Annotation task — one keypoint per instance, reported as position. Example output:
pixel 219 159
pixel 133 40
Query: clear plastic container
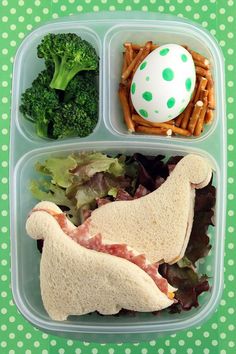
pixel 106 31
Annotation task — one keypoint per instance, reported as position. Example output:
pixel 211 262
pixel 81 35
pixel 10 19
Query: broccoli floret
pixel 69 54
pixel 72 120
pixel 83 90
pixel 39 102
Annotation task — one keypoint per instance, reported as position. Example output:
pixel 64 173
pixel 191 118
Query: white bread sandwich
pixel 158 224
pixel 111 261
pixel 80 274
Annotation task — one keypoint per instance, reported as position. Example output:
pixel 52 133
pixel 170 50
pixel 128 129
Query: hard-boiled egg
pixel 163 84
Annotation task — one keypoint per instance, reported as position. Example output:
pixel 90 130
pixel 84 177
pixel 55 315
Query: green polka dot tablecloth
pixel 218 335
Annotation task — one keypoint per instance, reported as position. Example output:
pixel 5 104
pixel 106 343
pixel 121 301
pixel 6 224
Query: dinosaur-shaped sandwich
pixel 111 261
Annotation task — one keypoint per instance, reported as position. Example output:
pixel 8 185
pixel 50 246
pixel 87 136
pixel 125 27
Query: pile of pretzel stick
pixel 192 120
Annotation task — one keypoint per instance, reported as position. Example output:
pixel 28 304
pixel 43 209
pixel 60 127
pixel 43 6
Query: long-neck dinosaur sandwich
pixel 158 224
pixel 111 261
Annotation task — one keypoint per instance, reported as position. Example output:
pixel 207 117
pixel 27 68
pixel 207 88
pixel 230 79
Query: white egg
pixel 163 84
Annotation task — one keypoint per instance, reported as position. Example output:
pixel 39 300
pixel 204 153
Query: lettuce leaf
pixel 59 170
pixel 78 168
pixel 100 185
pixel 78 179
pixel 189 283
pixel 88 164
pixel 44 190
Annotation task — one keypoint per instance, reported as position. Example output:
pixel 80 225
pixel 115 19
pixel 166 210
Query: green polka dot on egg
pixel 168 74
pixel 143 113
pixel 164 51
pixel 143 65
pixel 133 88
pixel 171 102
pixel 188 84
pixel 147 96
pixel 184 57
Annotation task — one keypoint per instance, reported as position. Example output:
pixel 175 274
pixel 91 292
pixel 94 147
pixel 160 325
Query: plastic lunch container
pixel 107 32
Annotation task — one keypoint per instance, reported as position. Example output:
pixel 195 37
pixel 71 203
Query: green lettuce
pixel 100 185
pixel 88 164
pixel 44 190
pixel 59 170
pixel 78 179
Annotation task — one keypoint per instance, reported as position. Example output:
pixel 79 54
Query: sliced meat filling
pixel 81 235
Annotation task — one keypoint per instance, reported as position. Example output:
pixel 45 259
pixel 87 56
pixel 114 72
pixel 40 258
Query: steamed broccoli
pixel 82 90
pixel 63 99
pixel 39 102
pixel 72 120
pixel 69 55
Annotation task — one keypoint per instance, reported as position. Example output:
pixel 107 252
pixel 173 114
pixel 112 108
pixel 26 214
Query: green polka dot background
pixel 217 336
pixel 171 79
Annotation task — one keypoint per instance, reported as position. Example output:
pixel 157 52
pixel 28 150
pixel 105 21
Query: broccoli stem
pixel 56 68
pixel 42 127
pixel 62 79
pixel 63 76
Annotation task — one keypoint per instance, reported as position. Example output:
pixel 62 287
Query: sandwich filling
pixel 82 236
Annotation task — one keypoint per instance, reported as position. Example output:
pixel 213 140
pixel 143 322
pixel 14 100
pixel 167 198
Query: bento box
pixel 106 32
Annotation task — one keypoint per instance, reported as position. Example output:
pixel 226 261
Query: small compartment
pixel 159 32
pixel 26 258
pixel 28 65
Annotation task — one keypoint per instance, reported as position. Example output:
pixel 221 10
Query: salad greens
pixel 78 179
pixel 80 183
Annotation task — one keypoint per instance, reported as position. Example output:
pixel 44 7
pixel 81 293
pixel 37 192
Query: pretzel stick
pixel 187 113
pixel 211 98
pixel 199 126
pixel 132 110
pixel 203 94
pixel 124 66
pixel 171 121
pixel 126 109
pixel 127 57
pixel 129 54
pixel 176 130
pixel 210 82
pixel 151 130
pixel 201 86
pixel 209 116
pixel 129 69
pixel 202 72
pixel 195 115
pixel 138 46
pixel 211 95
pixel 146 51
pixel 197 56
pixel 203 64
pixel 178 120
pixel 194 91
pixel 138 119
